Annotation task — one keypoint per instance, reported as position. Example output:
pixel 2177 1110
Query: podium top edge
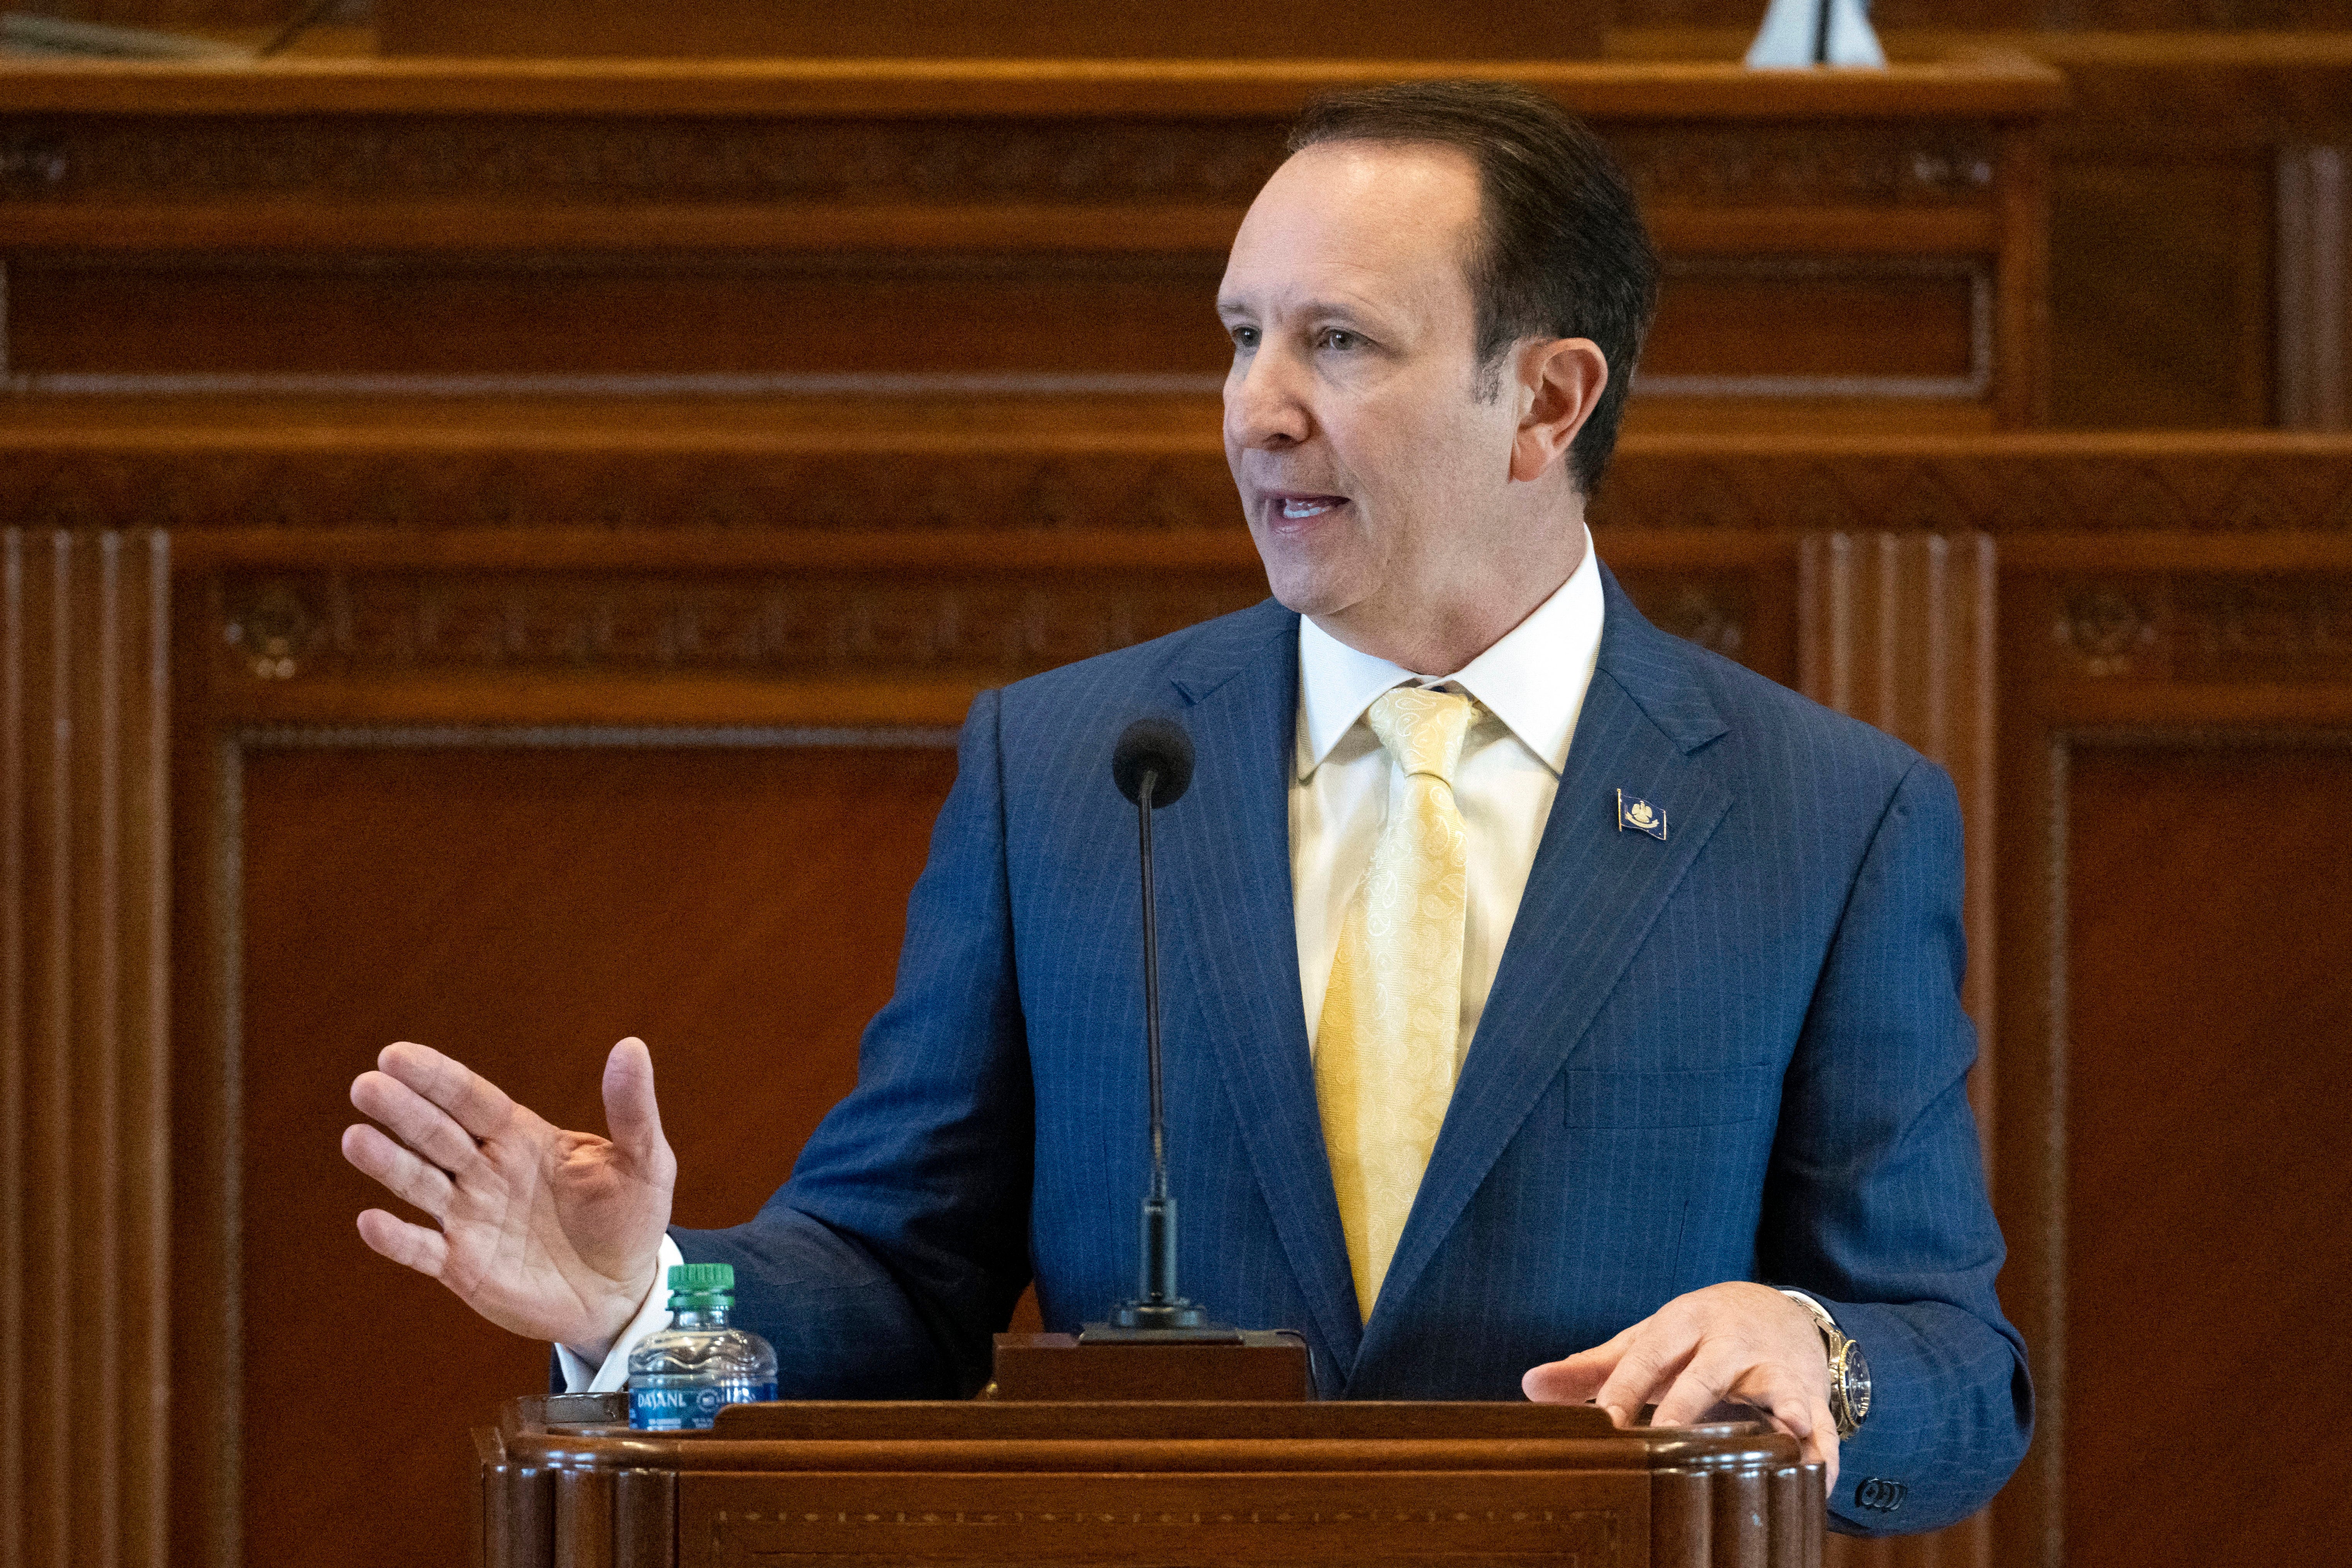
pixel 920 1436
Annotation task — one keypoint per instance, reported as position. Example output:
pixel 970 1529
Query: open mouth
pixel 1300 508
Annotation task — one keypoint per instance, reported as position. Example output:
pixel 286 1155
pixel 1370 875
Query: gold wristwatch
pixel 1849 1372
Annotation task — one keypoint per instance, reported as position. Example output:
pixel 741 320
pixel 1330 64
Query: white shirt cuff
pixel 653 1316
pixel 1821 1313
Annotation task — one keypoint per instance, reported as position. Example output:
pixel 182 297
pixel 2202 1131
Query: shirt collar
pixel 1533 680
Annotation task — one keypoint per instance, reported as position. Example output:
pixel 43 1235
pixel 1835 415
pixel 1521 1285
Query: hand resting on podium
pixel 1734 1344
pixel 550 1234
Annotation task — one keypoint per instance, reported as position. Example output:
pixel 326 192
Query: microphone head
pixel 1153 746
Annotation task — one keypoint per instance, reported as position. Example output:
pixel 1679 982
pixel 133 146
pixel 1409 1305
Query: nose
pixel 1265 405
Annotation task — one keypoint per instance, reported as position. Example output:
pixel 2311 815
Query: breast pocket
pixel 1715 1097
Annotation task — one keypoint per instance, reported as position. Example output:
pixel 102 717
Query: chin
pixel 1307 592
pixel 1306 585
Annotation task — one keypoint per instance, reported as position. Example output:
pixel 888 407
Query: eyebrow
pixel 1313 310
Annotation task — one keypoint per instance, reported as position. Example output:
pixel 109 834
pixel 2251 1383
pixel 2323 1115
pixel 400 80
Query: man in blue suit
pixel 1698 1111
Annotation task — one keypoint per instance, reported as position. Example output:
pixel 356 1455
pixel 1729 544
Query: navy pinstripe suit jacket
pixel 1736 1054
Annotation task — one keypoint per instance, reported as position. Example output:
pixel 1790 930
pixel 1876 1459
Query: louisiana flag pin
pixel 1641 816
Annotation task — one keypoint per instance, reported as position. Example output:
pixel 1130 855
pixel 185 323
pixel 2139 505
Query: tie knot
pixel 1422 730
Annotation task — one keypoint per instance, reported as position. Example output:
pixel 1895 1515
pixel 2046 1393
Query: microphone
pixel 1152 766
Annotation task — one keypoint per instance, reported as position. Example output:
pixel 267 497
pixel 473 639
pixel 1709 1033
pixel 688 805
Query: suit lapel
pixel 1591 897
pixel 1225 850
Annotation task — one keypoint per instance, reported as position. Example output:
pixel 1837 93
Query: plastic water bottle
pixel 679 1378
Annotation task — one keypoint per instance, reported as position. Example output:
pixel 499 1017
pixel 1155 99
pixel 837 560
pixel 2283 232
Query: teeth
pixel 1304 507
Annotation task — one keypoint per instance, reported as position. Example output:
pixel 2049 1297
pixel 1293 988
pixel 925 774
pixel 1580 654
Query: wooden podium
pixel 565 1484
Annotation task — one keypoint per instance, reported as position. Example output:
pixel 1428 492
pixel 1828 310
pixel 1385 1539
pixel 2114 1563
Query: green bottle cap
pixel 702 1279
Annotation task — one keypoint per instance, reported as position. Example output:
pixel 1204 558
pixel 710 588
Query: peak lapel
pixel 1591 897
pixel 1232 902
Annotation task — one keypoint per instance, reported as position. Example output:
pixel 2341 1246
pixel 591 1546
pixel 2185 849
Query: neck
pixel 1439 634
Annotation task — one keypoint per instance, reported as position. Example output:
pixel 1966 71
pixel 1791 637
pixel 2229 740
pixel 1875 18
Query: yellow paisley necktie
pixel 1385 1052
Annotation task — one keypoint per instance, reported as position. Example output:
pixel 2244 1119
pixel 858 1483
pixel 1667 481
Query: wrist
pixel 1849 1370
pixel 621 1311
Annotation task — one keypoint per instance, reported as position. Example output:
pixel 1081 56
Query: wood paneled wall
pixel 344 692
pixel 487 615
pixel 85 1071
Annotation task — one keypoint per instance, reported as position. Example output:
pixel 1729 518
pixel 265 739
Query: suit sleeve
pixel 900 1244
pixel 1875 1202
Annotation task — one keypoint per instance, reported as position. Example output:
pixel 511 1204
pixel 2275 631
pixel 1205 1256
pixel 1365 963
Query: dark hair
pixel 1560 253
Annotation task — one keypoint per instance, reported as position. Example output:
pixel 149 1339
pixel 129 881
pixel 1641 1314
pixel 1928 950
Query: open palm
pixel 545 1232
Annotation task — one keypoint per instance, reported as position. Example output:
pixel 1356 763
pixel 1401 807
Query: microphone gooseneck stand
pixel 1153 766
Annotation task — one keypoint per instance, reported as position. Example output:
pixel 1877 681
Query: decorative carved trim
pixel 286 628
pixel 659 162
pixel 85 1233
pixel 2106 628
pixel 2206 627
pixel 846 492
pixel 671 161
pixel 1146 480
pixel 1864 163
pixel 1984 485
pixel 570 737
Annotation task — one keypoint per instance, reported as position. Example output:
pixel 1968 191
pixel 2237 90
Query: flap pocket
pixel 1714 1097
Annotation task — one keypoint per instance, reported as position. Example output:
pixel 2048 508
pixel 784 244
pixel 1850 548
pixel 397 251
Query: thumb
pixel 630 1112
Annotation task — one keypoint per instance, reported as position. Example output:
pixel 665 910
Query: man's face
pixel 1372 473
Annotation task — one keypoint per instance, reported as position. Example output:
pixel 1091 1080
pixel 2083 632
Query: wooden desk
pixel 1227 1484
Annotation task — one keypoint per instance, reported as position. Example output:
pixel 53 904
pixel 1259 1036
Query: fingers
pixel 414 1120
pixel 473 1101
pixel 630 1110
pixel 1573 1379
pixel 1702 1385
pixel 1651 1362
pixel 426 1186
pixel 417 1246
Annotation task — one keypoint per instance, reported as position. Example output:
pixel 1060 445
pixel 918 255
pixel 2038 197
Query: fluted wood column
pixel 1896 629
pixel 84 1132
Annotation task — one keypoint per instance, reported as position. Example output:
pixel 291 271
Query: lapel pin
pixel 1641 816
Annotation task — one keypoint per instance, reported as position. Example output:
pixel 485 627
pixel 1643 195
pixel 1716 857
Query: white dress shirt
pixel 1529 686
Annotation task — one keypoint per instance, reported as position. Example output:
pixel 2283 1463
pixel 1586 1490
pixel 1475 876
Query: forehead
pixel 1391 221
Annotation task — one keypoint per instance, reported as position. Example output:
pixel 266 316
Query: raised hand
pixel 1736 1342
pixel 551 1234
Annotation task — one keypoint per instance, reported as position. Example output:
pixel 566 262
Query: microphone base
pixel 1115 1332
pixel 1161 1318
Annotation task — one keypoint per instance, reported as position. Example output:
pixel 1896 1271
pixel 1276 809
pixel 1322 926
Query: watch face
pixel 1855 1376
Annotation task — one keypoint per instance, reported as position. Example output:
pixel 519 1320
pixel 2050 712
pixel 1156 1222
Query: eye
pixel 1339 337
pixel 1244 337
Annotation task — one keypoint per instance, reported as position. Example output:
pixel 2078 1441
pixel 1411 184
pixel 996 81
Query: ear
pixel 1559 386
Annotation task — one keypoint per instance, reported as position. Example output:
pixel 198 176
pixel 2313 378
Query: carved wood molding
pixel 1053 465
pixel 2005 86
pixel 2211 628
pixel 842 491
pixel 281 626
pixel 2025 485
pixel 85 1226
pixel 668 161
pixel 679 161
